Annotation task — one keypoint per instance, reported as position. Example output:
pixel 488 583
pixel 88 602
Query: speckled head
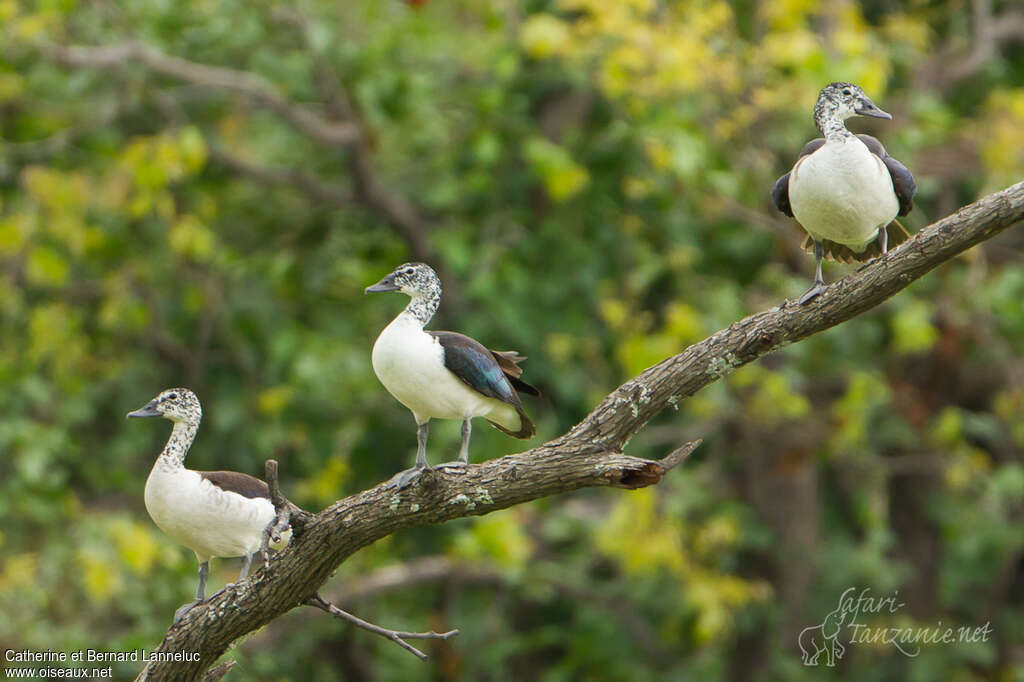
pixel 840 101
pixel 412 279
pixel 176 404
pixel 419 282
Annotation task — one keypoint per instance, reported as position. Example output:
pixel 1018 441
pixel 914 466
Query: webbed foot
pixel 404 479
pixel 456 465
pixel 185 608
pixel 812 293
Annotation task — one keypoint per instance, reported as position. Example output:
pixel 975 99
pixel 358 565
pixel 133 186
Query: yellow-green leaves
pixel 14 232
pixel 1000 135
pixel 543 35
pixel 137 544
pixel 563 178
pixel 190 238
pixel 329 482
pixel 642 344
pixel 913 331
pixel 497 538
pixel 647 541
pixel 770 397
pixel 46 267
pixel 19 571
pixel 11 85
pixel 273 400
pixel 866 393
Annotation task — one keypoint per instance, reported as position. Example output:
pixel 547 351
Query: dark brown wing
pixel 508 361
pixel 232 481
pixel 902 180
pixel 487 373
pixel 780 192
pixel 475 366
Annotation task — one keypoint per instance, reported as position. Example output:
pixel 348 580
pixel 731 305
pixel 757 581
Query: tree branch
pixel 991 33
pixel 403 216
pixel 255 87
pixel 588 455
pixel 396 636
pixel 341 129
pixel 310 185
pixel 413 573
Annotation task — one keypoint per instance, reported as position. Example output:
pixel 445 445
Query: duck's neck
pixel 173 455
pixel 830 125
pixel 422 308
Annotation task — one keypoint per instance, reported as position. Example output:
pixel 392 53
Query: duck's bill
pixel 386 284
pixel 866 107
pixel 147 410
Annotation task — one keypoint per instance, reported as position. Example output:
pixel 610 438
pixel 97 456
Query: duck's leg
pixel 883 244
pixel 243 573
pixel 246 563
pixel 467 430
pixel 204 572
pixel 404 479
pixel 422 432
pixel 819 281
pixel 463 460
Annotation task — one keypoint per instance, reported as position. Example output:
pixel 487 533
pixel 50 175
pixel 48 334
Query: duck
pixel 212 513
pixel 844 189
pixel 443 374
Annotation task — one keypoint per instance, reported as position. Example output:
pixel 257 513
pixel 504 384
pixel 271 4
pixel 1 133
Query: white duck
pixel 213 513
pixel 845 190
pixel 444 375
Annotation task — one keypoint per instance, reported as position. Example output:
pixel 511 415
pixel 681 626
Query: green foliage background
pixel 592 177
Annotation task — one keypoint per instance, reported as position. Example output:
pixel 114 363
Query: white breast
pixel 208 520
pixel 842 192
pixel 410 364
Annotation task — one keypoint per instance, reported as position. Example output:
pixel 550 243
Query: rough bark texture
pixel 588 455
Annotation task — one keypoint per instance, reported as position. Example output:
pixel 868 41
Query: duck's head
pixel 844 100
pixel 416 280
pixel 176 404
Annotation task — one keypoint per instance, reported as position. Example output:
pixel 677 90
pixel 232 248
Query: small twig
pixel 679 455
pixel 648 472
pixel 396 636
pixel 281 522
pixel 219 671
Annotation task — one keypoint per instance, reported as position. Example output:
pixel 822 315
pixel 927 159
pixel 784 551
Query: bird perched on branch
pixel 213 513
pixel 444 375
pixel 845 190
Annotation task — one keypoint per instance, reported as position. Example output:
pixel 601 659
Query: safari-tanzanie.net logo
pixel 847 625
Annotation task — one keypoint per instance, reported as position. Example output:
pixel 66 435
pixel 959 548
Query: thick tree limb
pixel 588 455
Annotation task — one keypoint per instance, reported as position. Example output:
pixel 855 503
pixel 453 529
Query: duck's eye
pixel 172 396
pixel 847 92
pixel 409 271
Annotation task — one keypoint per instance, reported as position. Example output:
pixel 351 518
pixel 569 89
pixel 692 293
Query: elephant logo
pixel 824 638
